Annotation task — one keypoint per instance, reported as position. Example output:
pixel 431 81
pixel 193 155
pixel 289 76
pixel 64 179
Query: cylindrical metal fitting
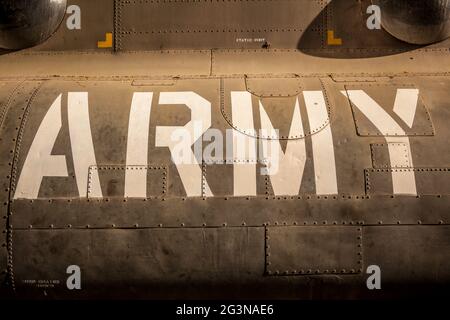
pixel 416 21
pixel 26 23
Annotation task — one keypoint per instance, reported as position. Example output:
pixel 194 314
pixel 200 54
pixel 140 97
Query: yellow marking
pixel 107 43
pixel 332 41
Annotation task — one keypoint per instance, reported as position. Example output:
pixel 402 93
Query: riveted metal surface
pixel 211 242
pixel 194 212
pixel 289 62
pixel 47 64
pixel 146 25
pixel 136 259
pixel 109 126
pixel 15 112
pixel 119 264
pixel 385 96
pixel 354 32
pixel 214 24
pixel 348 22
pixel 313 250
pixel 7 140
pixel 429 181
pixel 202 63
pixel 218 175
pixel 273 87
pixel 359 79
pixel 413 255
pixel 283 107
pixel 96 19
pixel 112 179
pixel 7 90
pixel 380 155
pixel 153 83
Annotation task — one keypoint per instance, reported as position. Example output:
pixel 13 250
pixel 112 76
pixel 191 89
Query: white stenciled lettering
pixel 83 153
pixel 168 136
pixel 40 162
pixel 244 146
pixel 285 169
pixel 137 145
pixel 322 143
pixel 404 182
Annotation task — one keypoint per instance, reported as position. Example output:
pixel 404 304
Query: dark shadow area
pixel 275 288
pixel 348 22
pixel 4 51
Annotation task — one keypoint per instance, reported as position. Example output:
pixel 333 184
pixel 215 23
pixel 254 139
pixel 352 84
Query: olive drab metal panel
pixel 85 24
pixel 335 250
pixel 175 254
pixel 204 24
pixel 221 149
pixel 401 101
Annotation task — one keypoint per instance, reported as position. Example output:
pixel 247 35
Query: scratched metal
pixel 15 109
pixel 227 262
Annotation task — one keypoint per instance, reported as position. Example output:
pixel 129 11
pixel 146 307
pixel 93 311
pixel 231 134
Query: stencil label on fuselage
pixel 185 131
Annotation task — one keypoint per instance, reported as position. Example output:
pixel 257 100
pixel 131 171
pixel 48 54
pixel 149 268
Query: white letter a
pixel 40 162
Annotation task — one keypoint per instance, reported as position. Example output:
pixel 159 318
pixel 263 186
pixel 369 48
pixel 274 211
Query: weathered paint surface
pixel 337 157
